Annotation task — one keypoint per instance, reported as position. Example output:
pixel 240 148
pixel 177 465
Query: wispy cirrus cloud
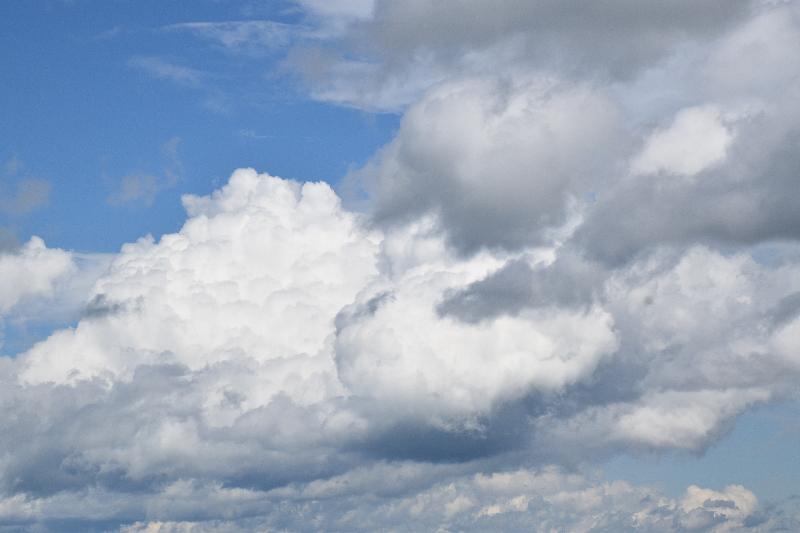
pixel 144 186
pixel 160 68
pixel 254 37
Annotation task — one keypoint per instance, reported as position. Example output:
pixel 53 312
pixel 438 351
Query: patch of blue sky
pixel 760 451
pixel 100 89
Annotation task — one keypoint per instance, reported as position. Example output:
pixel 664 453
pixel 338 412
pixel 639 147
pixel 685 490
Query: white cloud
pixel 509 501
pixel 393 346
pixel 275 344
pixel 29 271
pixel 268 262
pixel 241 36
pixel 162 69
pixel 515 295
pixel 696 140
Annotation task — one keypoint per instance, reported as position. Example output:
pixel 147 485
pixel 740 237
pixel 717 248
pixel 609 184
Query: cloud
pixel 252 37
pixel 500 161
pixel 20 192
pixel 503 501
pixel 695 141
pixel 30 275
pixel 160 68
pixel 144 187
pixel 8 241
pixel 30 270
pixel 277 348
pixel 563 258
pixel 43 287
pixel 351 9
pixel 387 60
pixel 514 157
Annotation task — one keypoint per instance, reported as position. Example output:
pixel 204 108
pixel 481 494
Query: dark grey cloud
pixel 386 60
pixel 745 201
pixel 696 149
pixel 620 35
pixel 567 283
pixel 517 156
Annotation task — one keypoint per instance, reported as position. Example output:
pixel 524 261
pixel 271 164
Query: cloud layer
pixel 276 340
pixel 580 243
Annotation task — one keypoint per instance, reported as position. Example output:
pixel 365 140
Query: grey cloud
pixel 568 282
pixel 508 290
pixel 408 46
pixel 742 202
pixel 591 30
pixel 252 369
pixel 24 195
pixel 353 313
pixel 135 187
pixel 144 187
pixel 100 306
pixel 432 499
pixel 20 191
pixel 8 241
pixel 279 362
pixel 788 309
pixel 516 155
pixel 492 158
pixel 507 500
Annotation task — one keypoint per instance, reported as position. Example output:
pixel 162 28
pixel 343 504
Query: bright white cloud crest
pixel 30 271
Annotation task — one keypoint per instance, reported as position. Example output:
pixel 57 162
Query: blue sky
pixel 82 115
pixel 552 275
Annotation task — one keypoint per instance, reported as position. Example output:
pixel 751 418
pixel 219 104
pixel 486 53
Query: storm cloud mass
pixel 582 242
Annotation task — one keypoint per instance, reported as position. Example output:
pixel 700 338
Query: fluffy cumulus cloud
pixel 580 243
pixel 502 162
pixel 30 270
pixel 279 359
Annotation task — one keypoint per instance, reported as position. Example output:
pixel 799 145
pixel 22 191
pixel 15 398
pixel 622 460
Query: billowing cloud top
pixel 553 267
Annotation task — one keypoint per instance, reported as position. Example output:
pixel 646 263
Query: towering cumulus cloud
pixel 275 354
pixel 574 247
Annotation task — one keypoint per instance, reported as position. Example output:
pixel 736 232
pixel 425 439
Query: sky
pixel 373 265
